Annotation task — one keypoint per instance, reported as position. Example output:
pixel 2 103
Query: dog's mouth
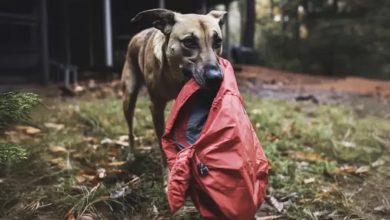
pixel 206 79
pixel 188 74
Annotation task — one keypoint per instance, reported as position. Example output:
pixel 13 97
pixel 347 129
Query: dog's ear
pixel 161 19
pixel 220 15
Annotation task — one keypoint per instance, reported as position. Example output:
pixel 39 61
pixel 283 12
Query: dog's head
pixel 193 42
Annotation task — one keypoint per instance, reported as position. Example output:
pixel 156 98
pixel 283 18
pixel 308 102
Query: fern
pixel 15 107
pixel 11 153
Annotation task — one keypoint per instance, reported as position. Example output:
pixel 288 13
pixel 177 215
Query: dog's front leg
pixel 157 109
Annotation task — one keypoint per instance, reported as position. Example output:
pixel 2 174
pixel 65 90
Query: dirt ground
pixel 366 96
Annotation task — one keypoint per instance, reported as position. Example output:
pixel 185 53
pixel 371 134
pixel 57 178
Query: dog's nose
pixel 213 75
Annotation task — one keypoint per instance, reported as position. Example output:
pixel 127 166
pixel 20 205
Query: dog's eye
pixel 217 42
pixel 190 43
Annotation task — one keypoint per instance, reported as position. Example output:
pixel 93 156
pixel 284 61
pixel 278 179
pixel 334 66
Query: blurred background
pixel 41 39
pixel 314 75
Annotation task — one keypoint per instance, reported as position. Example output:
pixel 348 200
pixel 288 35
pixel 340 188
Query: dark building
pixel 41 37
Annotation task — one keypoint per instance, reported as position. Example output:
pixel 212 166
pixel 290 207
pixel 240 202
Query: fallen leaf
pixel 363 169
pixel 92 84
pixel 155 210
pixel 378 163
pixel 275 203
pixel 106 141
pixel 90 139
pixel 32 130
pixel 309 180
pixel 121 143
pixel 70 216
pixel 348 144
pixel 54 126
pixel 58 149
pixel 101 173
pixel 60 163
pixel 117 163
pixel 382 208
pixel 57 160
pixel 28 129
pixel 84 178
pixel 78 89
pixel 80 179
pixel 307 156
pixel 123 138
pixel 346 169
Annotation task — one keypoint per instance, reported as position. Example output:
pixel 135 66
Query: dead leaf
pixel 275 203
pixel 348 144
pixel 90 139
pixel 123 138
pixel 307 156
pixel 309 180
pixel 54 126
pixel 81 178
pixel 346 169
pixel 117 163
pixel 121 143
pixel 28 129
pixel 382 209
pixel 78 89
pixel 378 163
pixel 57 160
pixel 106 141
pixel 70 216
pixel 363 169
pixel 101 173
pixel 58 150
pixel 114 152
pixel 92 84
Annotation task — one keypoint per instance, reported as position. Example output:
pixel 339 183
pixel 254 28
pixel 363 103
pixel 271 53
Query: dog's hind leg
pixel 132 83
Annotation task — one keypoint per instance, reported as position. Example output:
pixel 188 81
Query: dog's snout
pixel 213 75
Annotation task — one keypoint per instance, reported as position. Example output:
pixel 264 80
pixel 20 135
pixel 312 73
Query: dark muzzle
pixel 212 75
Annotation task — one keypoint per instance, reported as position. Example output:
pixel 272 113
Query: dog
pixel 178 47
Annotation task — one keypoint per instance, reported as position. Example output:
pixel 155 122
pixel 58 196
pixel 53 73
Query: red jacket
pixel 224 170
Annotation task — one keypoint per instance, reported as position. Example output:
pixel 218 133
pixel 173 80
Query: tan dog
pixel 179 46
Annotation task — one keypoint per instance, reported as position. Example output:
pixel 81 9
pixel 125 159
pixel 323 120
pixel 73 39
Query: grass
pixel 319 154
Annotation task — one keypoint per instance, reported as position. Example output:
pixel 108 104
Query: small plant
pixel 15 107
pixel 10 152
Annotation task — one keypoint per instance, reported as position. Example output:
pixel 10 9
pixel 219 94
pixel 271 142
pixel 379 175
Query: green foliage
pixel 346 38
pixel 15 107
pixel 10 153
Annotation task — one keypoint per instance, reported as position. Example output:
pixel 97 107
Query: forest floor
pixel 327 139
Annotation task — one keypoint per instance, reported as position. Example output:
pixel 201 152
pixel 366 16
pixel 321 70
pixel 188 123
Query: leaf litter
pixel 85 168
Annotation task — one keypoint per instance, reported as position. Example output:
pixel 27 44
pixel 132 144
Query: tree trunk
pixel 248 37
